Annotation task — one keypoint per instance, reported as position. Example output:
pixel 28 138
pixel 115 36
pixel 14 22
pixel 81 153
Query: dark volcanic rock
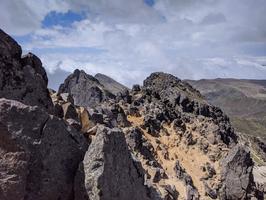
pixel 136 88
pixel 167 83
pixel 172 192
pixel 36 64
pixel 9 48
pixel 85 89
pixel 237 174
pixel 114 115
pixel 210 192
pixel 138 143
pixel 22 79
pixel 109 170
pixel 177 98
pixel 39 154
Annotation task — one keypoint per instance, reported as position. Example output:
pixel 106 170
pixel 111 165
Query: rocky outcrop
pixel 237 174
pixel 39 154
pixel 109 172
pixel 86 90
pixel 23 79
pixel 159 141
pixel 172 98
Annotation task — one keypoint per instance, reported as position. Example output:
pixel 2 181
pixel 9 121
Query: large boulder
pixel 23 79
pixel 39 154
pixel 109 172
pixel 237 175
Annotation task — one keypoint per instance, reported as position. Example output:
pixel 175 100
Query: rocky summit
pixel 95 139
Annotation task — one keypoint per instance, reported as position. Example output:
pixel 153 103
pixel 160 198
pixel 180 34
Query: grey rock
pixel 237 174
pixel 179 124
pixel 9 47
pixel 114 115
pixel 67 97
pixel 125 96
pixel 159 174
pixel 182 174
pixel 136 142
pixel 109 170
pixel 97 118
pixel 136 88
pixel 134 111
pixel 39 154
pixel 75 124
pixel 192 193
pixel 33 61
pixel 152 124
pixel 70 111
pixel 210 192
pixel 58 110
pixel 172 192
pixel 86 90
pixel 110 84
pixel 25 83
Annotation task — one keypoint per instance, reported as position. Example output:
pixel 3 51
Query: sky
pixel 129 39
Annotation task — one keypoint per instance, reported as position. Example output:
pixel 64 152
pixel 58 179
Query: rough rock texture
pixel 110 84
pixel 39 154
pixel 23 79
pixel 85 89
pixel 109 171
pixel 184 137
pixel 237 174
pixel 161 140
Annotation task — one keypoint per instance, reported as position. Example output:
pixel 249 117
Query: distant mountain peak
pixel 110 84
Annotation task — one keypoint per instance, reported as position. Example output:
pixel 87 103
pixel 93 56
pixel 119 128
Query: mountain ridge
pixel 159 141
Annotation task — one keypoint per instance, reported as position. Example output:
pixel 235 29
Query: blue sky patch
pixel 149 2
pixel 23 39
pixel 64 19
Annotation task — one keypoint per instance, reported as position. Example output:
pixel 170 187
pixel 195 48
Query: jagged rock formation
pixel 39 154
pixel 159 141
pixel 110 172
pixel 243 100
pixel 237 174
pixel 183 138
pixel 23 79
pixel 110 84
pixel 245 103
pixel 86 90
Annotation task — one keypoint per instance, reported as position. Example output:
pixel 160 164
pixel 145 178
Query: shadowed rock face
pixel 237 174
pixel 23 79
pixel 109 171
pixel 39 154
pixel 85 89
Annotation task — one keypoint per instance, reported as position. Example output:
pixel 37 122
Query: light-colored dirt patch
pixel 190 157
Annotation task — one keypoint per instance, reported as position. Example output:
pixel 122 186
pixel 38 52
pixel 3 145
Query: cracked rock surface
pixel 39 153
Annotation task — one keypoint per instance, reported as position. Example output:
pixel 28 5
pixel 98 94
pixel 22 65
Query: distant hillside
pixel 243 100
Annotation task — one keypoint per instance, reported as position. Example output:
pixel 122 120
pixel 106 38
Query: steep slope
pixel 110 84
pixel 183 145
pixel 243 100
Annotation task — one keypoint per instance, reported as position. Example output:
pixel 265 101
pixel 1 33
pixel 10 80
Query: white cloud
pixel 189 38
